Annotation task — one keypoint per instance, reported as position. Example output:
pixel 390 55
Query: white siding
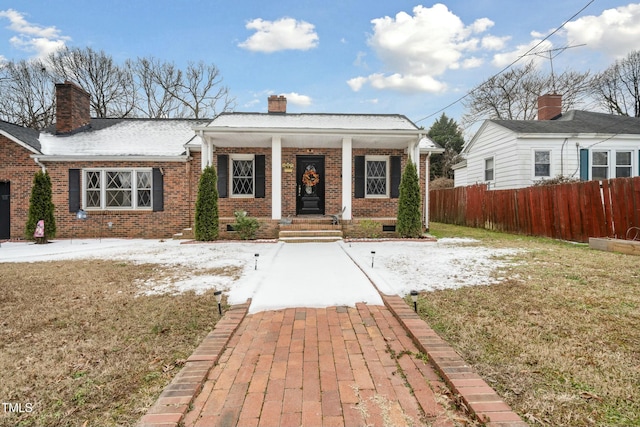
pixel 499 143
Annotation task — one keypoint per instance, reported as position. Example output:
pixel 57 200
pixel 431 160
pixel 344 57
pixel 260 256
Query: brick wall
pixel 177 213
pixel 17 168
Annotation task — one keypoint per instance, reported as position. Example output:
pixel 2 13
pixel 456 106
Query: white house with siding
pixel 506 154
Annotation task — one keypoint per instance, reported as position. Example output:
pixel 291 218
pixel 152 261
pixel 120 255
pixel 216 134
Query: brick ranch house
pixel 139 177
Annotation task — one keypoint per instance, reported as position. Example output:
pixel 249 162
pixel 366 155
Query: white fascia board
pixel 17 141
pixel 81 158
pixel 310 131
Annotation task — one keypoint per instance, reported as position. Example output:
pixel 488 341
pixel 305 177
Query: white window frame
pixel 243 157
pixel 372 158
pixel 493 171
pixel 632 155
pixel 533 158
pixel 103 189
pixel 593 165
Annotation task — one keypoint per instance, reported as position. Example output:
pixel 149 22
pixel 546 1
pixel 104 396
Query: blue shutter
pixel 584 164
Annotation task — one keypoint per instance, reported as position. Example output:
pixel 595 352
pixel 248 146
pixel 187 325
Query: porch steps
pixel 310 229
pixel 187 233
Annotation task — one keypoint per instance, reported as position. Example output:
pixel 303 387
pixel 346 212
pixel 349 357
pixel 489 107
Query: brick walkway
pixel 337 366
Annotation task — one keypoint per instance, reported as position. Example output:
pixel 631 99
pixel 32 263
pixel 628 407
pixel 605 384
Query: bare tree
pixel 618 87
pixel 110 86
pixel 513 95
pixel 156 82
pixel 146 87
pixel 27 94
pixel 198 89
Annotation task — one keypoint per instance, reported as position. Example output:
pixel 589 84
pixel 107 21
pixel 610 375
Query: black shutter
pixel 260 176
pixel 223 175
pixel 158 190
pixel 396 175
pixel 74 190
pixel 358 162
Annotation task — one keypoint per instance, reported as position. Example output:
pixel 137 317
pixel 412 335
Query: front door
pixel 5 210
pixel 310 185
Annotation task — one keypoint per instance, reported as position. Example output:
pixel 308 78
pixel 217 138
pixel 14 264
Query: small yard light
pixel 218 295
pixel 373 255
pixel 414 298
pixel 256 256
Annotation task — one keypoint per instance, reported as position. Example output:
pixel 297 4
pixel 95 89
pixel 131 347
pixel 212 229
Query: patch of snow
pixel 288 275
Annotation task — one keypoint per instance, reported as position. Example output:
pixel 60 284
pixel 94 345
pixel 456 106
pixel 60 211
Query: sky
pixel 352 56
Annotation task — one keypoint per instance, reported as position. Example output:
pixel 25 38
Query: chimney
pixel 549 106
pixel 277 104
pixel 72 107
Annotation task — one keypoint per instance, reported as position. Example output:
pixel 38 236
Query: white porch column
pixel 276 177
pixel 413 150
pixel 347 160
pixel 204 154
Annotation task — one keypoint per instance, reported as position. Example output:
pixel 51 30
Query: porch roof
pixel 313 130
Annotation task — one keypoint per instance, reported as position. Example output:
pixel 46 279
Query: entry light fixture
pixel 218 295
pixel 414 298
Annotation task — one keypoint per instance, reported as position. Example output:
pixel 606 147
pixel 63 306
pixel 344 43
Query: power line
pixel 511 64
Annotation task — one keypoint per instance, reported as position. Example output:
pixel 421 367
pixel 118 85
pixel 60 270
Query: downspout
pixel 427 173
pixel 44 168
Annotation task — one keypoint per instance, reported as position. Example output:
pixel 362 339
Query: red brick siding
pixel 376 207
pixel 177 213
pixel 18 169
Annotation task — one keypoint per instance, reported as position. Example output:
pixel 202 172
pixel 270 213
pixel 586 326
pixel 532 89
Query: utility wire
pixel 510 65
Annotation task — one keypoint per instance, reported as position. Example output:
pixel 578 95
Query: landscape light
pixel 414 298
pixel 256 255
pixel 373 255
pixel 218 295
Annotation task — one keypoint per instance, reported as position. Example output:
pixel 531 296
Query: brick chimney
pixel 549 106
pixel 72 107
pixel 277 104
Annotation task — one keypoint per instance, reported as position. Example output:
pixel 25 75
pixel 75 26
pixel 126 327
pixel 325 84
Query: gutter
pixel 62 158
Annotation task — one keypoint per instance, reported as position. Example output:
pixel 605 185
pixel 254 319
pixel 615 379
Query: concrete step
pixel 312 235
pixel 310 239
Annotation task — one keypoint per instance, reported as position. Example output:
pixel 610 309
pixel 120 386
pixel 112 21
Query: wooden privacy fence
pixel 572 212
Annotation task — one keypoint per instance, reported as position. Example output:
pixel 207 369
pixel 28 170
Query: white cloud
pixel 615 32
pixel 283 34
pixel 494 43
pixel 503 59
pixel 297 99
pixel 32 37
pixel 417 49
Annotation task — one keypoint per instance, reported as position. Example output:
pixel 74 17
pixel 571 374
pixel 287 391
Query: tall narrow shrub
pixel 409 222
pixel 206 223
pixel 41 208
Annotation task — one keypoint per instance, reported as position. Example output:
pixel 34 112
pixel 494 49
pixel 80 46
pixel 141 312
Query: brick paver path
pixel 336 366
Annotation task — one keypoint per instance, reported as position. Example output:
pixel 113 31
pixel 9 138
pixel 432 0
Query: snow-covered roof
pixel 123 137
pixel 313 121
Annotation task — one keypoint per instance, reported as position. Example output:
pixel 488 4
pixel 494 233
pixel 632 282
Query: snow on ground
pixel 310 275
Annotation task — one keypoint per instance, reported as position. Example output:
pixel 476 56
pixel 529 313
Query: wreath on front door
pixel 310 178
